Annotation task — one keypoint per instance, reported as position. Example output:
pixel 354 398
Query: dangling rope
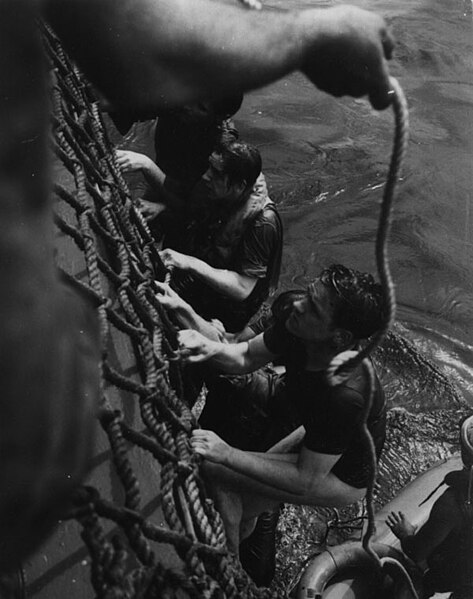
pixel 346 362
pixel 104 213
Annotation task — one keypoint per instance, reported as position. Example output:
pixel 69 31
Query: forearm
pixel 232 358
pixel 412 548
pixel 156 179
pixel 439 525
pixel 176 51
pixel 189 319
pixel 228 282
pixel 280 472
pixel 288 443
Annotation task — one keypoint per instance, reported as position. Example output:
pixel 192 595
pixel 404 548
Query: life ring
pixel 351 568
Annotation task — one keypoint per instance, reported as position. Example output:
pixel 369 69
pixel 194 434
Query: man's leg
pixel 239 511
pixel 229 505
pixel 332 492
pixel 250 412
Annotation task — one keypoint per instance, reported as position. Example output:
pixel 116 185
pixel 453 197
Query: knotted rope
pixel 107 224
pixel 95 211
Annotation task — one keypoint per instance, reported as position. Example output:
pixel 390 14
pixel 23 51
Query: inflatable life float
pixel 347 572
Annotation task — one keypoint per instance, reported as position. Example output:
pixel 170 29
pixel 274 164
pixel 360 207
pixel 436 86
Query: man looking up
pixel 227 256
pixel 331 468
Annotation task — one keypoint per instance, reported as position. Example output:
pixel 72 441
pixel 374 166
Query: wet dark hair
pixel 359 307
pixel 241 162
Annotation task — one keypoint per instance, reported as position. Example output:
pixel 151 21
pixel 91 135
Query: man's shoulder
pixel 276 337
pixel 268 217
pixel 359 381
pixel 357 388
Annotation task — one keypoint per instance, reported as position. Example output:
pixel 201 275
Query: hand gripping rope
pixel 343 364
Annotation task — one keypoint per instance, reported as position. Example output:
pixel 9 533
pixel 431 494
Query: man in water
pixel 445 541
pixel 147 54
pixel 184 139
pixel 331 468
pixel 227 258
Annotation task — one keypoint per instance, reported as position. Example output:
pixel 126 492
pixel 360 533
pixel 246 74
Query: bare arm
pixel 297 476
pixel 232 284
pixel 235 358
pixel 131 162
pixel 148 54
pixel 443 518
pixel 185 313
pixel 290 442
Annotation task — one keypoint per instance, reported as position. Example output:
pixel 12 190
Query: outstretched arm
pixel 235 358
pixel 131 162
pixel 303 474
pixel 228 282
pixel 146 54
pixel 185 313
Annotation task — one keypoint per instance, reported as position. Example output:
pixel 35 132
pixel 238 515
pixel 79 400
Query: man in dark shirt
pixel 331 468
pixel 445 541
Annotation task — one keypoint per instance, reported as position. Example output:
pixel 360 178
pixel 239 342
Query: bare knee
pixel 230 508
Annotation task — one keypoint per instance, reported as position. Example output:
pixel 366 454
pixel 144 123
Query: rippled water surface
pixel 326 161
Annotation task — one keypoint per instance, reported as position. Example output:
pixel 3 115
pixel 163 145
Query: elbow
pixel 303 486
pixel 311 485
pixel 244 289
pixel 242 293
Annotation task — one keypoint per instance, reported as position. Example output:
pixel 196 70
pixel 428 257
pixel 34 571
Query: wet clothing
pixel 329 414
pixel 249 411
pixel 256 410
pixel 247 241
pixel 446 542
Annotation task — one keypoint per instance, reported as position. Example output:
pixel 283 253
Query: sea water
pixel 326 160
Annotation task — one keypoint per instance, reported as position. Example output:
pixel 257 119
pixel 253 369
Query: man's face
pixel 216 184
pixel 311 318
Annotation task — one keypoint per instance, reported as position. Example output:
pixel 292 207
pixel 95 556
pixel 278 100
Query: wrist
pixel 229 456
pixel 181 308
pixel 194 266
pixel 147 165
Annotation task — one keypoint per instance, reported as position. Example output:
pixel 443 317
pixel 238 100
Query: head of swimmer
pixel 231 174
pixel 340 307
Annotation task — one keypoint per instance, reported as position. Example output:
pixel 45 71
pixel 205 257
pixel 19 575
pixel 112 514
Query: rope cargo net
pixel 96 212
pixel 106 224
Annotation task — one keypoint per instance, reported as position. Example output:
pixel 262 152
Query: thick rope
pixel 343 367
pixel 121 263
pixel 345 363
pixel 106 219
